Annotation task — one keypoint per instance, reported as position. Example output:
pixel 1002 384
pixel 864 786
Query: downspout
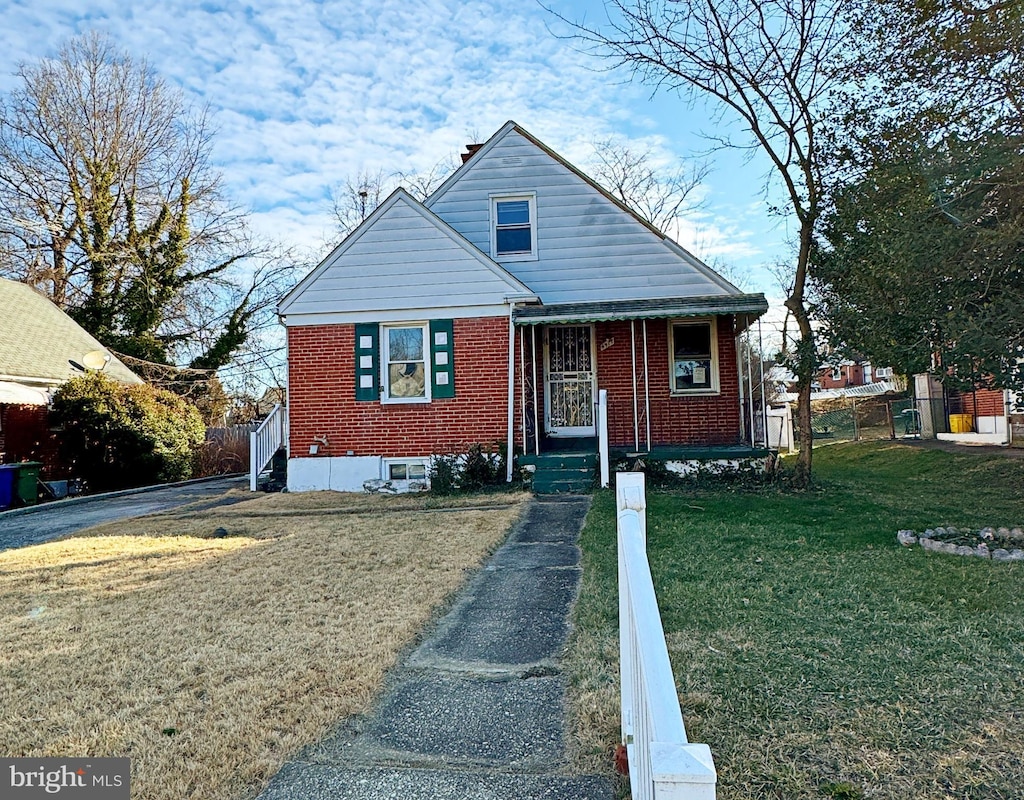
pixel 632 355
pixel 510 444
pixel 287 394
pixel 647 388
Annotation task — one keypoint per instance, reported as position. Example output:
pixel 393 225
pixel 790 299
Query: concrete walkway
pixel 477 710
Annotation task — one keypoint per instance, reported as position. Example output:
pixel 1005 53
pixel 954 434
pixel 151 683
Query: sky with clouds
pixel 304 94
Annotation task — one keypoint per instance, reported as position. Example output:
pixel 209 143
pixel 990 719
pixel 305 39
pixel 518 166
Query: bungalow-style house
pixel 40 348
pixel 495 312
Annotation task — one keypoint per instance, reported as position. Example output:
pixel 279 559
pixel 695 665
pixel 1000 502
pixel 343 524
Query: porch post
pixel 647 389
pixel 536 413
pixel 750 387
pixel 522 385
pixel 764 401
pixel 510 442
pixel 739 379
pixel 632 355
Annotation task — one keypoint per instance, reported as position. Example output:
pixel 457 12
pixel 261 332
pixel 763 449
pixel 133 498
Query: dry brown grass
pixel 210 661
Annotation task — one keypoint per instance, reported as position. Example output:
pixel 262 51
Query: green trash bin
pixel 28 477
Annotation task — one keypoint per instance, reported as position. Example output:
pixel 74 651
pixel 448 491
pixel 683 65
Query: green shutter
pixel 368 361
pixel 442 358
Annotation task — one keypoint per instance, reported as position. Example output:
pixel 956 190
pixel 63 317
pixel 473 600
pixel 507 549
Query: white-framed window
pixel 837 373
pixel 514 227
pixel 402 470
pixel 405 473
pixel 883 372
pixel 405 365
pixel 693 356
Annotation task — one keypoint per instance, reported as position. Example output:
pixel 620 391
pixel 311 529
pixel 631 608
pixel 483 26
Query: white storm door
pixel 570 380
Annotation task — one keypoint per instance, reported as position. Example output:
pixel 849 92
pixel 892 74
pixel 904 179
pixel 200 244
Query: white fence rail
pixel 264 442
pixel 663 765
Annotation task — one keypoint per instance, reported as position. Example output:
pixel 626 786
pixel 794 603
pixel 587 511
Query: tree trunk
pixel 806 359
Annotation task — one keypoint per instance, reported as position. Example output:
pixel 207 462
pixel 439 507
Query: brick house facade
pixel 493 313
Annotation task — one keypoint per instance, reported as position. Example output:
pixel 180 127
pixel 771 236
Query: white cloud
pixel 305 94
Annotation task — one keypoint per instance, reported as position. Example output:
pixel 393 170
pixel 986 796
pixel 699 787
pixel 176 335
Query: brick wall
pixel 849 375
pixel 990 402
pixel 322 393
pixel 321 363
pixel 693 420
pixel 25 435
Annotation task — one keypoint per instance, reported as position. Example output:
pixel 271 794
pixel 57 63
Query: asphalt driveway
pixel 41 523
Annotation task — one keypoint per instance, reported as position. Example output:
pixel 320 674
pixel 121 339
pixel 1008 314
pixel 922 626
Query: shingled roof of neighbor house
pixel 38 341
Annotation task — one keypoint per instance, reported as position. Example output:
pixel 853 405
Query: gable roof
pixel 401 257
pixel 37 340
pixel 626 256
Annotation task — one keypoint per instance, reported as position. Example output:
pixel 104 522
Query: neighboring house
pixel 493 313
pixel 38 343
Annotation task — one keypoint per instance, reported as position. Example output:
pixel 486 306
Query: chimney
pixel 470 150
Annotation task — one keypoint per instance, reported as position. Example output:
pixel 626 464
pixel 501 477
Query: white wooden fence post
pixel 683 771
pixel 602 436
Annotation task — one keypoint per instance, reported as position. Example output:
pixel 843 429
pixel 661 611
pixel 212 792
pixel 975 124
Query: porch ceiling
pixel 749 305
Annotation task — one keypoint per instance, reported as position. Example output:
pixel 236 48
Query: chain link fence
pixel 864 418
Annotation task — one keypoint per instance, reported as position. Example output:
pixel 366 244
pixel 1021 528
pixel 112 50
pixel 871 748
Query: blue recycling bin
pixel 8 484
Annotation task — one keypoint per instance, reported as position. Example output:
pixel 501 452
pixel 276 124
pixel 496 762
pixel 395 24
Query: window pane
pixel 514 240
pixel 397 472
pixel 691 340
pixel 692 374
pixel 406 380
pixel 514 212
pixel 417 472
pixel 405 344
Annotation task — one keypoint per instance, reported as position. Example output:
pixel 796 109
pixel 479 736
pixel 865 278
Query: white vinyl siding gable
pixel 401 259
pixel 588 247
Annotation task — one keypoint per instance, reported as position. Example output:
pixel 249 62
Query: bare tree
pixel 359 195
pixel 108 202
pixel 660 196
pixel 771 64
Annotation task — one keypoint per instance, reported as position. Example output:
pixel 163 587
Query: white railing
pixel 601 417
pixel 663 765
pixel 264 442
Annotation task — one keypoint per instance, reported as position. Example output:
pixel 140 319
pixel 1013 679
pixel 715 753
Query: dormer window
pixel 514 227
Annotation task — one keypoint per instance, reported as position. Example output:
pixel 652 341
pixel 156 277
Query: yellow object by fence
pixel 961 423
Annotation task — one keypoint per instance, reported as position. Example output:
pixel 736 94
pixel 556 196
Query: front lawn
pixel 816 656
pixel 209 646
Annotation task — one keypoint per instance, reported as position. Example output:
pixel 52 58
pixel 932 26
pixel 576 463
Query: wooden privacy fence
pixel 663 765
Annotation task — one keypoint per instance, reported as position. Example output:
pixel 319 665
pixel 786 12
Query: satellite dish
pixel 95 359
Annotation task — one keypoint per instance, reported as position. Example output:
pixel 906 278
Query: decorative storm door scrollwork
pixel 569 380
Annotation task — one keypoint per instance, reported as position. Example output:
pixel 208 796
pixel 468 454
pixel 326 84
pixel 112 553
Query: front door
pixel 570 385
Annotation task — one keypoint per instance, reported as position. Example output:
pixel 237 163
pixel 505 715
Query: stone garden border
pixel 997 544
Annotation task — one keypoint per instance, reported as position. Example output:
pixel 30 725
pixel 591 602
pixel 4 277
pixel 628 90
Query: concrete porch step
pixel 564 481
